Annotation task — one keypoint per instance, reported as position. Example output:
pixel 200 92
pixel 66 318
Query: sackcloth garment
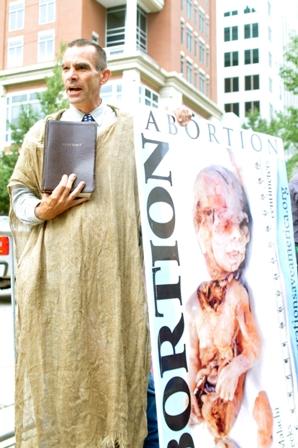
pixel 82 330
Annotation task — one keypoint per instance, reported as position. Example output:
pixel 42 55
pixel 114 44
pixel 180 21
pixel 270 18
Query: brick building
pixel 161 52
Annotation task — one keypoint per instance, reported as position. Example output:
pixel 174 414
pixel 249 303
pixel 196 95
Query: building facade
pixel 249 57
pixel 160 52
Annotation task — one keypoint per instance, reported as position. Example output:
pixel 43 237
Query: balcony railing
pixel 148 5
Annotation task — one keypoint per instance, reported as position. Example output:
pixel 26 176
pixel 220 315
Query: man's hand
pixel 61 199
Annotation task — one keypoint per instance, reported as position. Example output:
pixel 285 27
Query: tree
pixel 26 119
pixel 50 100
pixel 7 163
pixel 284 124
pixel 8 159
pixel 289 72
pixel 255 122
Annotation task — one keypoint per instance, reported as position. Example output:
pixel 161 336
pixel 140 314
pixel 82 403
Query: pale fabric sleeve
pixel 24 203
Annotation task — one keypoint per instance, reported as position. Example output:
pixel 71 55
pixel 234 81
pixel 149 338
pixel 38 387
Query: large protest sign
pixel 221 283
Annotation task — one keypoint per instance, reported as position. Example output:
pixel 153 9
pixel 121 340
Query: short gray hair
pixel 101 56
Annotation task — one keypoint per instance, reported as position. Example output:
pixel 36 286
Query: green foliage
pixel 255 122
pixel 8 159
pixel 283 125
pixel 289 72
pixel 7 163
pixel 26 119
pixel 292 164
pixel 50 100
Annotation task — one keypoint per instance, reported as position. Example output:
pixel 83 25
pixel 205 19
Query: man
pixel 83 355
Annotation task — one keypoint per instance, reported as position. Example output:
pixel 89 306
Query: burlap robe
pixel 82 345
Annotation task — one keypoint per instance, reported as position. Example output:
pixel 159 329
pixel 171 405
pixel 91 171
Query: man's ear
pixel 105 76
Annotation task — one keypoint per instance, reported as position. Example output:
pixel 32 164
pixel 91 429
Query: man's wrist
pixel 37 213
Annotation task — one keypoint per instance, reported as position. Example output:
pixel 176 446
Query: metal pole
pixel 12 286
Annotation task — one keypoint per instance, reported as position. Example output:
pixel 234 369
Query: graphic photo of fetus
pixel 224 342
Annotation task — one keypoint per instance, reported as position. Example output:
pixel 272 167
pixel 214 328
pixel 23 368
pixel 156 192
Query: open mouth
pixel 74 89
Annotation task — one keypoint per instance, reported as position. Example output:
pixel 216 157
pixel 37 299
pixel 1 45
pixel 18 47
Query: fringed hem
pixel 113 442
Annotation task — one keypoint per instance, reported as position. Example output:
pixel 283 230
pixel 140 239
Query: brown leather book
pixel 69 147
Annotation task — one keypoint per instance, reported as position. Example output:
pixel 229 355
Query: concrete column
pixel 131 26
pixel 131 81
pixel 170 98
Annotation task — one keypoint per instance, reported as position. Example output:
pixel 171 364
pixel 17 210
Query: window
pixel 148 97
pixel 14 105
pixel 202 51
pixel 181 32
pixel 206 27
pixel 207 60
pixel 252 82
pixel 15 51
pixel 231 13
pixel 46 46
pixel 182 64
pixel 189 71
pixel 251 56
pixel 115 35
pixel 270 59
pixel 269 33
pixel 202 83
pixel 231 58
pixel 251 106
pixel 195 77
pixel 232 107
pixel 16 16
pixel 247 10
pixel 207 87
pixel 95 37
pixel 195 46
pixel 47 11
pixel 141 30
pixel 251 30
pixel 232 84
pixel 115 26
pixel 111 92
pixel 270 85
pixel 189 8
pixel 231 33
pixel 195 15
pixel 271 111
pixel 201 22
pixel 189 39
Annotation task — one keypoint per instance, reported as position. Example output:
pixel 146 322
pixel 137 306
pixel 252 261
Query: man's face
pixel 82 81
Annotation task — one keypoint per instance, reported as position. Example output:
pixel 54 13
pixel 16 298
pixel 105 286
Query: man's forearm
pixel 24 203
